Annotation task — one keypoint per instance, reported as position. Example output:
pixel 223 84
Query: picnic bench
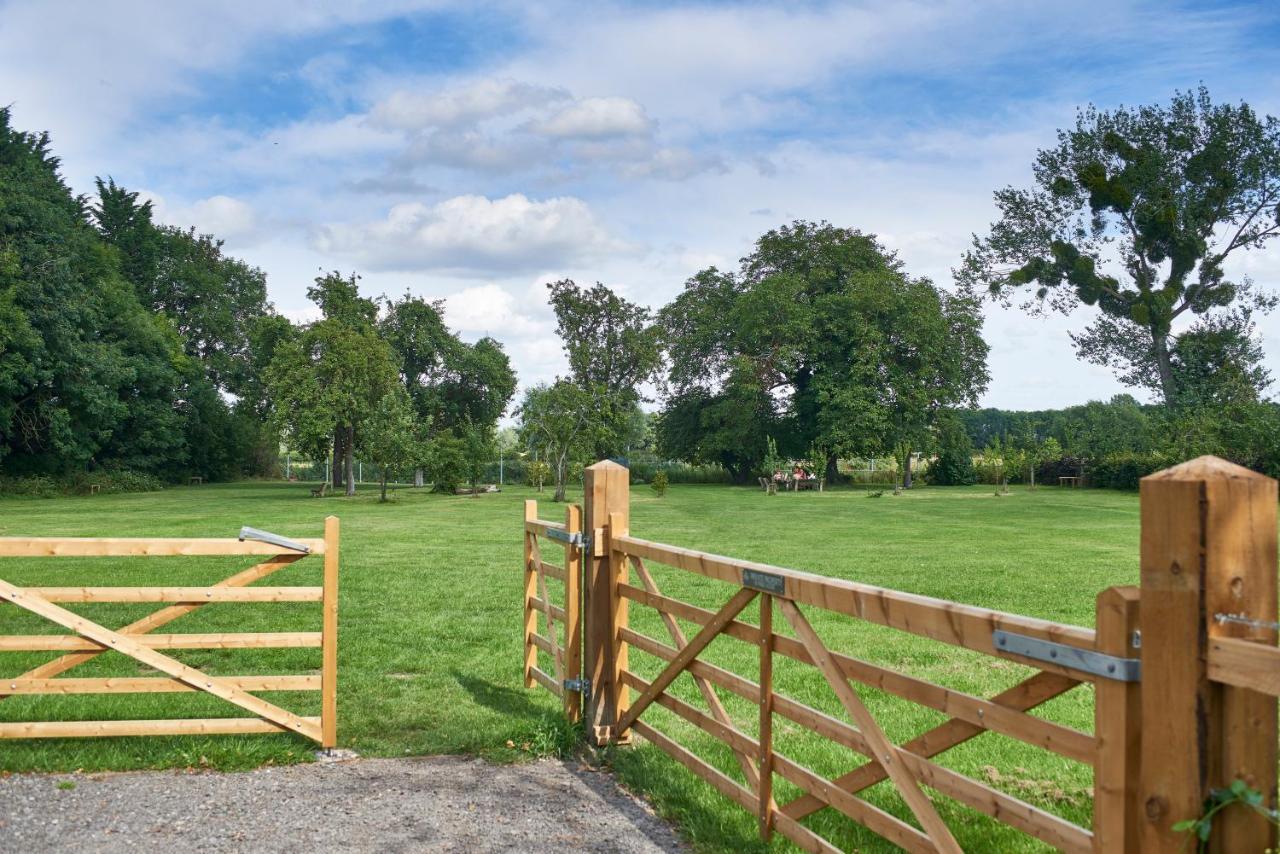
pixel 319 492
pixel 196 480
pixel 1069 481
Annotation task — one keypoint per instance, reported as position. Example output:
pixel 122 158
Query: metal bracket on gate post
pixel 1074 658
pixel 577 538
pixel 582 686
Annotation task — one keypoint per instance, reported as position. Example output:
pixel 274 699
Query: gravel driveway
pixel 429 804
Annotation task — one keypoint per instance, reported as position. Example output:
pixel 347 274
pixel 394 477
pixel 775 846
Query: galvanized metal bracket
pixel 577 538
pixel 582 686
pixel 767 582
pixel 247 533
pixel 1073 658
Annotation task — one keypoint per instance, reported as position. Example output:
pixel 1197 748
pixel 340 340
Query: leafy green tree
pixel 1136 211
pixel 558 420
pixel 823 339
pixel 479 450
pixel 87 376
pixel 330 380
pixel 953 465
pixel 391 438
pixel 613 349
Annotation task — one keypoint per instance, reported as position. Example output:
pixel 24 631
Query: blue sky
pixel 473 152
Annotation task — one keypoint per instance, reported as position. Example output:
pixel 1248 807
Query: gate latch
pixel 577 538
pixel 582 686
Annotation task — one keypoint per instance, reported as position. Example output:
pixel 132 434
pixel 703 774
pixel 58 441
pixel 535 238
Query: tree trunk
pixel 833 472
pixel 417 478
pixel 384 486
pixel 1164 365
pixel 560 480
pixel 336 471
pixel 349 461
pixel 906 470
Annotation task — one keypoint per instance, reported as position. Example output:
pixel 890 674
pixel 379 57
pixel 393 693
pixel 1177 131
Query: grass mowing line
pixel 430 639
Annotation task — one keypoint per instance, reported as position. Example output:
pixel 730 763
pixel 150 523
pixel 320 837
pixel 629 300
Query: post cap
pixel 1206 468
pixel 606 465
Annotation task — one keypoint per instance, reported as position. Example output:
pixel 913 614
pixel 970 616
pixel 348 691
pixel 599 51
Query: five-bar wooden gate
pixel 1184 669
pixel 140 641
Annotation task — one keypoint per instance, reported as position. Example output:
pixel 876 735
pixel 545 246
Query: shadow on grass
pixel 509 701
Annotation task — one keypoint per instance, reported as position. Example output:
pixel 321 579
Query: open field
pixel 430 650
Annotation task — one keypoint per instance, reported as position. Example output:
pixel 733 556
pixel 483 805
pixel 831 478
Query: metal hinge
pixel 1071 657
pixel 582 686
pixel 577 538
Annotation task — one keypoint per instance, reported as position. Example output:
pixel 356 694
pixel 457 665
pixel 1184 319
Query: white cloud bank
pixel 476 235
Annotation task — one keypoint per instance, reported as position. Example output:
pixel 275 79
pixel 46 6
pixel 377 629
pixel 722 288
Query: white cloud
pixel 465 105
pixel 597 118
pixel 476 235
pixel 222 216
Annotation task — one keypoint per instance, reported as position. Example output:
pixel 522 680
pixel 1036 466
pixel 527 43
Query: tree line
pixel 128 345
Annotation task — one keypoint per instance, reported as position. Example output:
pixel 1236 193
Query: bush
pixel 45 486
pixel 659 484
pixel 1124 470
pixel 1065 466
pixel 954 464
pixel 644 472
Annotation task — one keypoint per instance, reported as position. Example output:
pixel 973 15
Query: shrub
pixel 45 486
pixel 954 464
pixel 537 473
pixel 659 484
pixel 1124 470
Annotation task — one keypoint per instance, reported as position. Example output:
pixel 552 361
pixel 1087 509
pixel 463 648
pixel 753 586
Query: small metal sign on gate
pixel 765 581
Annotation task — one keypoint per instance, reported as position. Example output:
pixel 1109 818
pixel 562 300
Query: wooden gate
pixel 564 644
pixel 139 640
pixel 1174 717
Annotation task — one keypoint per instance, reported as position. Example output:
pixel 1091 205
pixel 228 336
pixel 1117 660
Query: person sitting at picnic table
pixel 798 473
pixel 778 476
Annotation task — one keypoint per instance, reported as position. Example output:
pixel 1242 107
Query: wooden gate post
pixel 1208 549
pixel 1117 713
pixel 606 493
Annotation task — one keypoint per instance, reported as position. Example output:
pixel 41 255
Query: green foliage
pixel 559 420
pixel 80 483
pixel 953 465
pixel 1239 792
pixel 446 464
pixel 822 340
pixel 613 350
pixel 1124 217
pixel 536 473
pixel 391 437
pixel 659 484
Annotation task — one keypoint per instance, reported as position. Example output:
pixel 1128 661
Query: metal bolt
pixel 980 712
pixel 1111 668
pixel 1003 641
pixel 1136 640
pixel 1053 653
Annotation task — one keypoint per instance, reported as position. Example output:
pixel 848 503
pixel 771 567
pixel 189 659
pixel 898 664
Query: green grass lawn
pixel 430 648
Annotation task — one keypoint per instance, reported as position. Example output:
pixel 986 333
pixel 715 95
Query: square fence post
pixel 606 494
pixel 1208 549
pixel 1117 715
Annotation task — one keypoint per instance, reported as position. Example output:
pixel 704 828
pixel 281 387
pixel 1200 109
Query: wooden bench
pixel 1069 481
pixel 319 492
pixel 195 481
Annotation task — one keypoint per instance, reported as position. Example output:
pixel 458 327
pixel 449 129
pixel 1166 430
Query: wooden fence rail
pixel 138 640
pixel 1174 716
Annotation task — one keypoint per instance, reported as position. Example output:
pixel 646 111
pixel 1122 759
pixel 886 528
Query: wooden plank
pixel 1245 664
pixel 143 547
pixel 619 608
pixel 1117 714
pixel 172 667
pixel 177 594
pixel 544 644
pixel 744 688
pixel 737 740
pixel 546 680
pixel 873 818
pixel 606 488
pixel 551 570
pixel 556 659
pixel 732 790
pixel 101 729
pixel 1060 739
pixel 329 637
pixel 149 685
pixel 666 605
pixel 700 641
pixel 548 608
pixel 538 527
pixel 208 640
pixel 572 579
pixel 765 804
pixel 530 593
pixel 162 617
pixel 803 837
pixel 885 752
pixel 950 622
pixel 745 761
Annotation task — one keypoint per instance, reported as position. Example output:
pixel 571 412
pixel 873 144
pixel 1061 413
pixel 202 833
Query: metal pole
pixel 286 466
pixel 500 480
pixel 360 476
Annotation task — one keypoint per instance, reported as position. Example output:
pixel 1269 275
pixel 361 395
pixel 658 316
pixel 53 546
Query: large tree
pixel 331 379
pixel 1135 211
pixel 823 341
pixel 559 421
pixel 613 348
